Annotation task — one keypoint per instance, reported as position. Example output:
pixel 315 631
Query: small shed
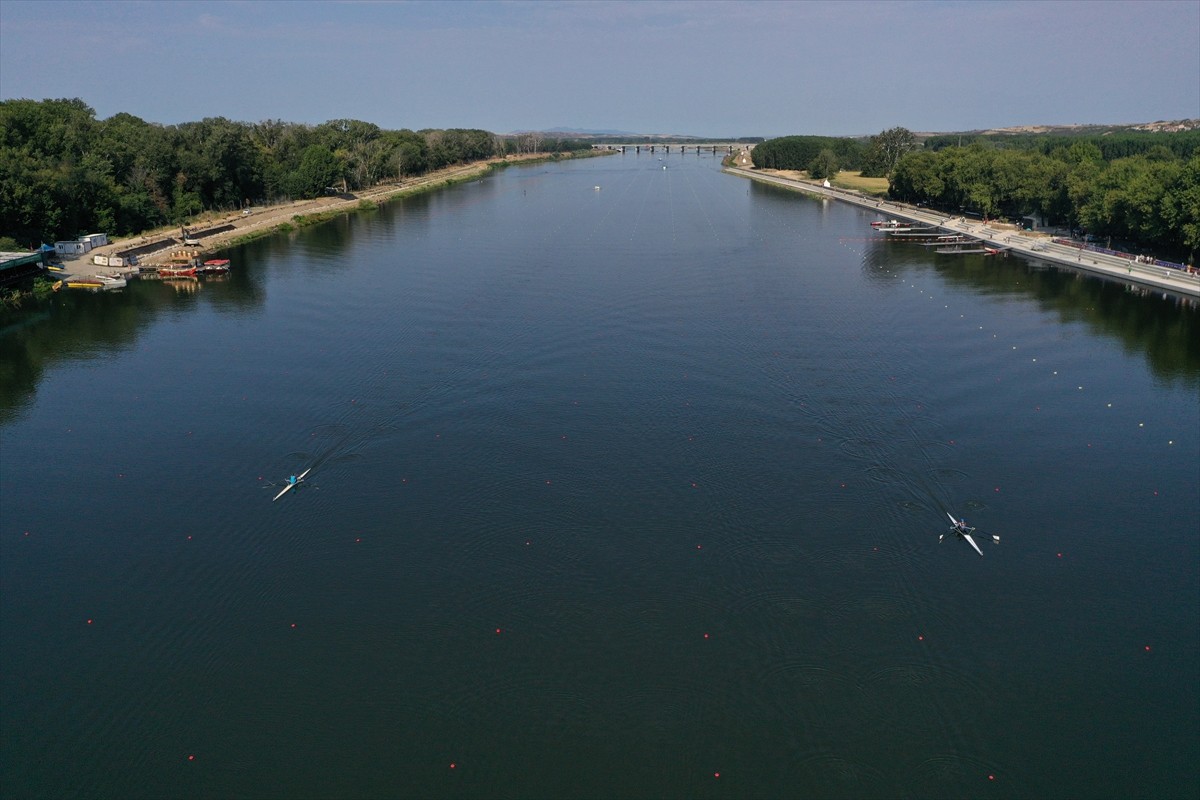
pixel 74 248
pixel 95 239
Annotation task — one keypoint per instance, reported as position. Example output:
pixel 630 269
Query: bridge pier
pixel 666 148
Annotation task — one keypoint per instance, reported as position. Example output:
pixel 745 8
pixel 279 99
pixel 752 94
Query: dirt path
pixel 267 218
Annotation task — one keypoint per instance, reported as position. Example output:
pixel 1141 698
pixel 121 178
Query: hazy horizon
pixel 686 68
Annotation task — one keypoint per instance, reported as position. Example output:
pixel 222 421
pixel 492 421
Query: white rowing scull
pixel 291 485
pixel 962 529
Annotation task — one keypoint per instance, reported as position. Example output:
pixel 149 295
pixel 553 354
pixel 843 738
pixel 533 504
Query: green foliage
pixel 65 173
pixel 553 145
pixel 13 299
pixel 43 289
pixel 1152 198
pixel 1109 145
pixel 318 169
pixel 799 152
pixel 825 165
pixel 410 155
pixel 886 150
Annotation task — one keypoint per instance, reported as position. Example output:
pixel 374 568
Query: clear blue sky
pixel 702 68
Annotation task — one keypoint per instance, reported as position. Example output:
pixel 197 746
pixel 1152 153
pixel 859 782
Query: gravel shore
pixel 261 220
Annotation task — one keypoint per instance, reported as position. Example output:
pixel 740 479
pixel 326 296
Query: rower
pixel 292 480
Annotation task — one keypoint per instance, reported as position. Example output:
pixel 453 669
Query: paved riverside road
pixel 1173 280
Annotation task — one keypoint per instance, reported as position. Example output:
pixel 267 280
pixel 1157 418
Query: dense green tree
pixel 799 152
pixel 410 153
pixel 1180 206
pixel 886 150
pixel 1109 144
pixel 319 169
pixel 63 173
pixel 1152 198
pixel 825 165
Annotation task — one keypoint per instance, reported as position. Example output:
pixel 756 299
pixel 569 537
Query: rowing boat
pixel 964 531
pixel 300 478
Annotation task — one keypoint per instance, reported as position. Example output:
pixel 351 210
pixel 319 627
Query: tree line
pixel 64 173
pixel 1112 144
pixel 825 156
pixel 1151 199
pixel 1139 187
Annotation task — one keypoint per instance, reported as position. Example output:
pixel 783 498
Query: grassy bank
pixel 852 181
pixel 876 187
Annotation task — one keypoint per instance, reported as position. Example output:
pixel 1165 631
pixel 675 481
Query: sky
pixel 714 69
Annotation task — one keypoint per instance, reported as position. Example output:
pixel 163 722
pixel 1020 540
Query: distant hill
pixel 1160 126
pixel 582 132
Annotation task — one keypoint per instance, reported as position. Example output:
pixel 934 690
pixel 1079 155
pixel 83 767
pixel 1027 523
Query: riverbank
pixel 1031 245
pixel 217 230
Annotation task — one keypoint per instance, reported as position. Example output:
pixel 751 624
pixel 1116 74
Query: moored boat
pixel 111 281
pixel 216 266
pixel 179 261
pixel 904 227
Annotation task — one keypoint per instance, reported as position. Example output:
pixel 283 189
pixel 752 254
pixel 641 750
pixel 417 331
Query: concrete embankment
pixel 1026 244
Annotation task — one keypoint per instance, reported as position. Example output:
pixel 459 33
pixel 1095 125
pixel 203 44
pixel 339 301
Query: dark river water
pixel 622 492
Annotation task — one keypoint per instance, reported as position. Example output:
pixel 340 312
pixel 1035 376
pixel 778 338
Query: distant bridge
pixel 698 147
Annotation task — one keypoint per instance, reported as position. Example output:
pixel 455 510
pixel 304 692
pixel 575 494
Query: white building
pixel 76 248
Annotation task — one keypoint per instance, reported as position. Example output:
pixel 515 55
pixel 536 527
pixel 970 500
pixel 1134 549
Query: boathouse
pixel 15 266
